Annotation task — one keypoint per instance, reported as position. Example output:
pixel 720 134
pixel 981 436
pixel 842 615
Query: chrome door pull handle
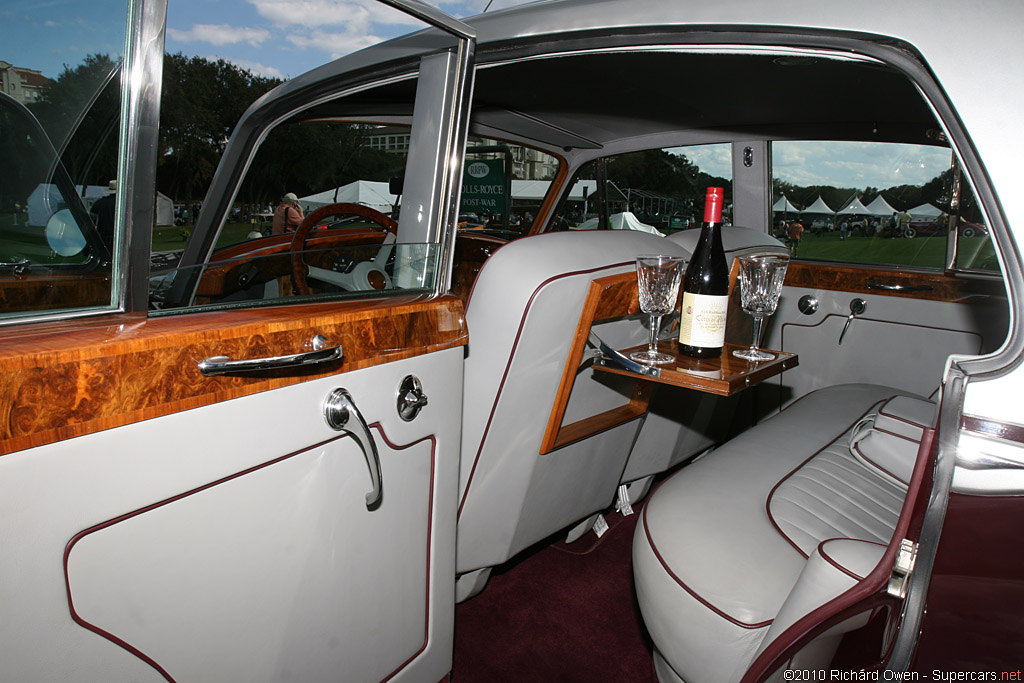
pixel 321 353
pixel 342 415
pixel 872 284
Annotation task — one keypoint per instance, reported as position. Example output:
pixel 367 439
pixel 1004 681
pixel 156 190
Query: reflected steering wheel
pixel 377 278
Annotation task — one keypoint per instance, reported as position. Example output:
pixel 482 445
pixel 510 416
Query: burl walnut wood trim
pixel 68 379
pixel 608 297
pixel 853 278
pixel 50 291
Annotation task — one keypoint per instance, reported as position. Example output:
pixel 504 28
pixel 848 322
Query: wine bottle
pixel 706 286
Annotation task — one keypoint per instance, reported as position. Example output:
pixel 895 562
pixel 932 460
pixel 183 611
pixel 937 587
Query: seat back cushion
pixel 522 317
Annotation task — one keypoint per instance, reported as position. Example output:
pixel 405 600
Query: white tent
pixel 374 194
pixel 880 207
pixel 784 206
pixel 819 206
pixel 925 211
pixel 622 221
pixel 856 207
pixel 164 209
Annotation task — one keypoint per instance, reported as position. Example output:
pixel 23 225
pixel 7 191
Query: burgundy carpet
pixel 560 613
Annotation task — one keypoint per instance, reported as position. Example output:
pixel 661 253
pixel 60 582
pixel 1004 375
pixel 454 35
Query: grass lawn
pixel 170 238
pixel 922 252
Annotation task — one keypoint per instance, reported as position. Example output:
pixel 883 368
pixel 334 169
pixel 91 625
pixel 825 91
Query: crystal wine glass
pixel 761 280
pixel 658 279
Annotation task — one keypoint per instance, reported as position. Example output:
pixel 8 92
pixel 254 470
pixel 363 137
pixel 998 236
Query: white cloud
pixel 334 44
pixel 857 164
pixel 220 34
pixel 255 67
pixel 715 160
pixel 356 16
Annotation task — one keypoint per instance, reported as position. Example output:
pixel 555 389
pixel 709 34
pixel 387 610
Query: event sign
pixel 483 187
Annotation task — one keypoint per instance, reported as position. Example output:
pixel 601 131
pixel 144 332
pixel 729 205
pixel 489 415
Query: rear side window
pixel 660 191
pixel 876 203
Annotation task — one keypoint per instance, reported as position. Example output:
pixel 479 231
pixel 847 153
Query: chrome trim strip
pixel 142 79
pixel 451 196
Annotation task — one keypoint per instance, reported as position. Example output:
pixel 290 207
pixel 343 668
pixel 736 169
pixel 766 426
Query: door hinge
pixel 904 567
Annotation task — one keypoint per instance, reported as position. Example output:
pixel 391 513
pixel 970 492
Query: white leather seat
pixel 522 316
pixel 737 546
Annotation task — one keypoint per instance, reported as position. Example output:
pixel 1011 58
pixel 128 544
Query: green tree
pixel 88 144
pixel 201 102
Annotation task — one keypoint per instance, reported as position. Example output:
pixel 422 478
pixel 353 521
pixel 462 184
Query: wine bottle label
pixel 702 322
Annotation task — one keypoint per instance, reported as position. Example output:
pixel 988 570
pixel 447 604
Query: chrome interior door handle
pixel 886 287
pixel 342 415
pixel 321 353
pixel 857 306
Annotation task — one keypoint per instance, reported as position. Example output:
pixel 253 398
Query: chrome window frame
pixel 141 77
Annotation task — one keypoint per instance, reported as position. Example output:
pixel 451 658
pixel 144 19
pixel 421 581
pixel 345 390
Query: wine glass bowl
pixel 761 279
pixel 657 279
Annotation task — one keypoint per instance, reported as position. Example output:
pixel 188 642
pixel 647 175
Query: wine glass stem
pixel 758 322
pixel 655 326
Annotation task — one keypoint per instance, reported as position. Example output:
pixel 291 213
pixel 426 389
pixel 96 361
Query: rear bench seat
pixel 736 547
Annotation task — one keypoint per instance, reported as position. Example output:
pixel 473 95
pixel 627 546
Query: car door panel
pixel 901 339
pixel 190 501
pixel 227 554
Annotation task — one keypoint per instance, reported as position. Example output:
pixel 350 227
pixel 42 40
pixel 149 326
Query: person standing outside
pixel 904 223
pixel 287 216
pixel 796 231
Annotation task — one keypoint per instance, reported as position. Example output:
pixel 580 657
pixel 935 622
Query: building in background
pixel 24 85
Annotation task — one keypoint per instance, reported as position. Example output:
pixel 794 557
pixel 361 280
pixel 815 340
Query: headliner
pixel 588 101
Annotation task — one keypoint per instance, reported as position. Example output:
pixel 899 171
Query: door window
pixel 876 203
pixel 660 191
pixel 316 215
pixel 60 107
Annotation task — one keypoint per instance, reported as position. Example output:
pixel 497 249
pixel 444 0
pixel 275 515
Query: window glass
pixel 974 249
pixel 873 202
pixel 660 191
pixel 503 187
pixel 59 113
pixel 337 186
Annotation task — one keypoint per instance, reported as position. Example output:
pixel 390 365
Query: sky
pixel 841 164
pixel 279 38
pixel 284 38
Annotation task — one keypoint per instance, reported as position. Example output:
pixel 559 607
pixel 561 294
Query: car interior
pixel 548 444
pixel 756 512
pixel 834 469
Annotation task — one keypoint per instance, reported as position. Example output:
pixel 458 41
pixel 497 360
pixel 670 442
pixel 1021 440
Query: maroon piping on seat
pixel 508 364
pixel 116 520
pixel 832 561
pixel 771 494
pixel 899 418
pixel 691 591
pixel 816 621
